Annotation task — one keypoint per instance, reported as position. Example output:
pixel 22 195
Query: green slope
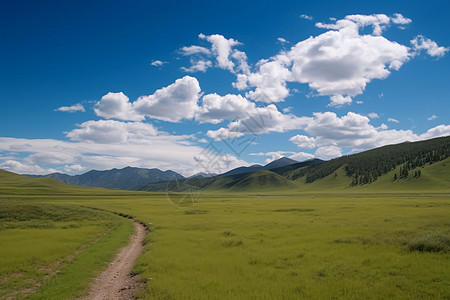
pixel 262 181
pixel 434 177
pixel 373 169
pixel 14 184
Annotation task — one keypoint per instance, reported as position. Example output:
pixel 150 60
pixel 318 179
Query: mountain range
pixel 125 179
pixel 424 161
pixel 130 178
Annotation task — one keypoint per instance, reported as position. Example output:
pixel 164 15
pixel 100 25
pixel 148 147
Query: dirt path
pixel 116 282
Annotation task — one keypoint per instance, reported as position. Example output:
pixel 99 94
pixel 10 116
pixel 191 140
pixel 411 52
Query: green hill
pixel 14 184
pixel 262 181
pixel 366 167
pixel 420 165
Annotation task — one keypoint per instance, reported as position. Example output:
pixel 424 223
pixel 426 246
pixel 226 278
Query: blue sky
pixel 208 86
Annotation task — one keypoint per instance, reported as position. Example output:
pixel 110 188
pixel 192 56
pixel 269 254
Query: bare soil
pixel 116 282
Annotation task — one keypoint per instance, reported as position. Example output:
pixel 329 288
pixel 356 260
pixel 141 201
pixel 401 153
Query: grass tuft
pixel 195 212
pixel 431 242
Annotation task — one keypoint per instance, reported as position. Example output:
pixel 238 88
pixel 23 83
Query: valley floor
pixel 260 246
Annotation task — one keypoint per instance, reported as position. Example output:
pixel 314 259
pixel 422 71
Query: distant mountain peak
pixel 281 162
pixel 126 178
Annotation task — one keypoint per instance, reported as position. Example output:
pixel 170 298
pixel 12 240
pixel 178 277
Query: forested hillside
pixel 367 166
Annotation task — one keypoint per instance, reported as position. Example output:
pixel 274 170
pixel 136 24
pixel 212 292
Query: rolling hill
pixel 125 179
pixel 419 165
pixel 14 184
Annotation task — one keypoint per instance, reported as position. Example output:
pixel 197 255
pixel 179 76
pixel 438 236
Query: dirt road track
pixel 116 282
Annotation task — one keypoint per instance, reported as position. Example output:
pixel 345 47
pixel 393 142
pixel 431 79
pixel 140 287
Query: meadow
pixel 344 245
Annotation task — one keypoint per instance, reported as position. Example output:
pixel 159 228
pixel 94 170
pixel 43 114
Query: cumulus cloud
pixel 117 106
pixel 420 43
pixel 400 19
pixel 161 151
pixel 74 169
pixel 222 49
pixel 432 118
pixel 20 168
pixel 355 131
pixel 339 100
pixel 270 80
pixel 197 65
pixel 191 50
pixel 338 63
pixel 216 109
pixel 71 109
pixel 301 156
pixel 173 103
pixel 341 62
pixel 373 115
pixel 112 132
pixel 328 152
pixel 282 40
pixel 258 120
pixel 274 155
pixel 302 141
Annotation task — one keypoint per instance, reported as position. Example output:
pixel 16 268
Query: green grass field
pixel 385 242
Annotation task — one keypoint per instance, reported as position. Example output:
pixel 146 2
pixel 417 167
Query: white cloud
pixel 71 109
pixel 222 49
pixel 257 120
pixel 216 109
pixel 355 131
pixel 274 155
pixel 420 43
pixel 270 81
pixel 339 100
pixel 113 132
pixel 117 106
pixel 20 168
pixel 197 65
pixel 162 151
pixel 328 152
pixel 191 50
pixel 306 17
pixel 282 40
pixel 241 60
pixel 400 19
pixel 441 130
pixel 241 82
pixel 158 63
pixel 393 120
pixel 48 158
pixel 350 130
pixel 301 156
pixel 373 115
pixel 340 62
pixel 433 117
pixel 303 141
pixel 74 169
pixel 173 103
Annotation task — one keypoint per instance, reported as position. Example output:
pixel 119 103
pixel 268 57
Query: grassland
pixel 53 251
pixel 386 242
